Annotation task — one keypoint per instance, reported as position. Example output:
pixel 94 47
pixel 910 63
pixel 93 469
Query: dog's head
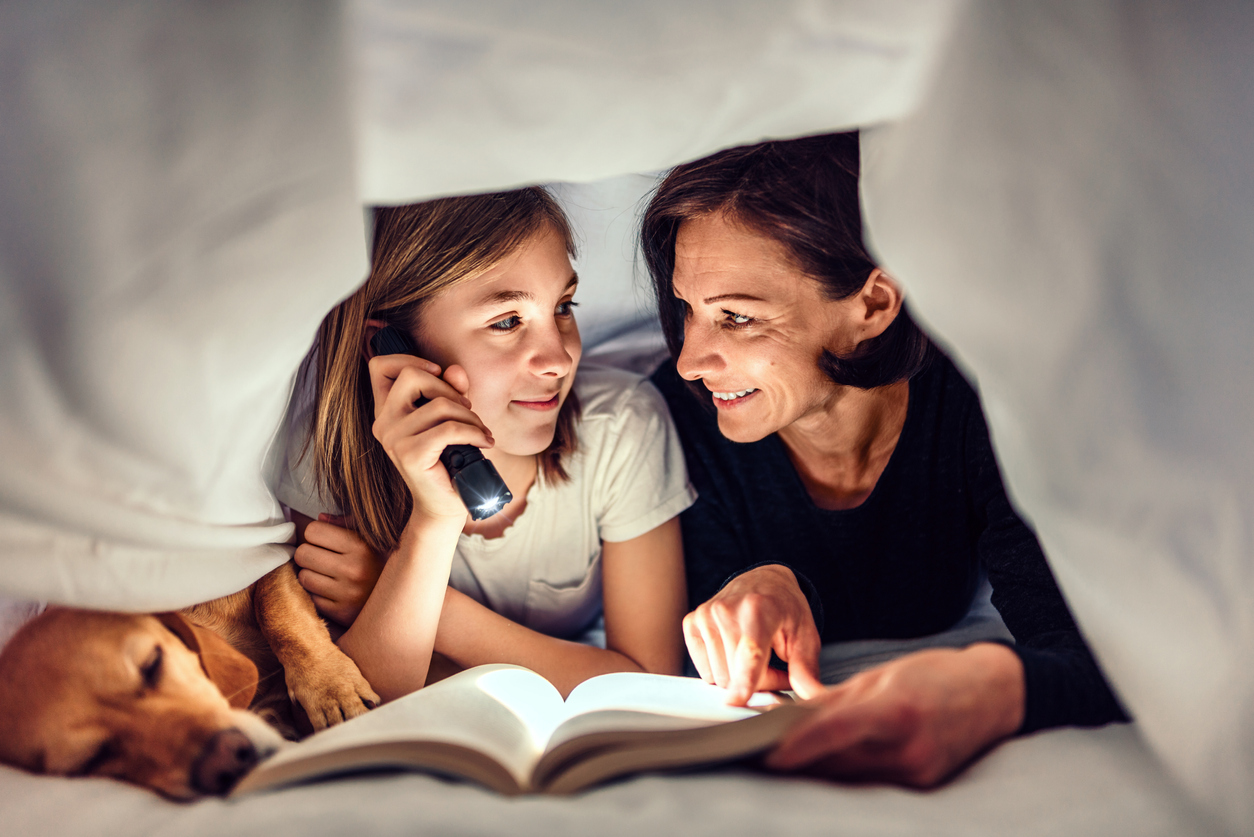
pixel 151 700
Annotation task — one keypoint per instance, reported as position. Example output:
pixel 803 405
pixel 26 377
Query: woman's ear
pixel 372 328
pixel 880 303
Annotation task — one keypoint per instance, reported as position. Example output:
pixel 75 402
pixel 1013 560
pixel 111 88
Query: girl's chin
pixel 524 447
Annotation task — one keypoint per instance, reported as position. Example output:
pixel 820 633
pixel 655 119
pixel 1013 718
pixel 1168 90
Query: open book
pixel 508 728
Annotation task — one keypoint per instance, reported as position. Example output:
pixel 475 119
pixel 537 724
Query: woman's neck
pixel 841 449
pixel 519 473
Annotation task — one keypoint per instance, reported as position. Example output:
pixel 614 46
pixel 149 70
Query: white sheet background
pixel 1070 208
pixel 177 211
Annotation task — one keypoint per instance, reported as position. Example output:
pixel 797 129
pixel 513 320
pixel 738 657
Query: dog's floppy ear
pixel 229 670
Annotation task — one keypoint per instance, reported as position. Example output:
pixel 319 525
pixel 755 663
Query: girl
pixel 484 286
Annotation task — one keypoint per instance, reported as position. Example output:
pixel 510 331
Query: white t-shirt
pixel 627 477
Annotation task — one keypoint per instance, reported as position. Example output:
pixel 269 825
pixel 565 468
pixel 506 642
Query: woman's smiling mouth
pixel 550 404
pixel 732 399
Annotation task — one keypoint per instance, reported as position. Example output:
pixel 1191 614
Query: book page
pixel 684 697
pixel 623 742
pixel 634 701
pixel 505 712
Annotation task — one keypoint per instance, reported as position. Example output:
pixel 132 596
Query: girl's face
pixel 513 330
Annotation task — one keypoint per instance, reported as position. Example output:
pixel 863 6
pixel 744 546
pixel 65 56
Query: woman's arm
pixel 914 721
pixel 643 594
pixel 919 719
pixel 1063 684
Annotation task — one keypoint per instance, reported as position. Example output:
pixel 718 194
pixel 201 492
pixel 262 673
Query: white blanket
pixel 1066 192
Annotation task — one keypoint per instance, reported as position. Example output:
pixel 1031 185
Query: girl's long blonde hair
pixel 419 251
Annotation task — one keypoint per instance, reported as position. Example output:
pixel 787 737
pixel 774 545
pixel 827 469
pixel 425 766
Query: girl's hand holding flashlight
pixel 415 436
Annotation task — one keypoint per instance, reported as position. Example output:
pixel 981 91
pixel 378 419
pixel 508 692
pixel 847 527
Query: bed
pixel 1063 189
pixel 1066 782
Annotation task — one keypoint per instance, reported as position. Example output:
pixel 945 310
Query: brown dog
pixel 159 700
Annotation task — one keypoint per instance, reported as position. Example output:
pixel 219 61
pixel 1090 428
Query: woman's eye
pixel 735 319
pixel 508 324
pixel 565 309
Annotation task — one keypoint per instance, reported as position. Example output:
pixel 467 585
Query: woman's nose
pixel 699 355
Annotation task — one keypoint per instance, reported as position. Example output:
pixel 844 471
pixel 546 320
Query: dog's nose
pixel 227 756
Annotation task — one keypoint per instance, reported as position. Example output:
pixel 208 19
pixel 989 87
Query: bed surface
pixel 1072 782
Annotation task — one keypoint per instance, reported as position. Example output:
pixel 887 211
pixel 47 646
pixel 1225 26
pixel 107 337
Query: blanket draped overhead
pixel 1064 190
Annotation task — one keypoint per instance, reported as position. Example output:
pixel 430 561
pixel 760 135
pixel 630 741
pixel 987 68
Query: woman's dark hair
pixel 803 194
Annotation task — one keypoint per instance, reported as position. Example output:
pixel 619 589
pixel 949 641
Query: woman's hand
pixel 415 436
pixel 731 636
pixel 337 568
pixel 913 721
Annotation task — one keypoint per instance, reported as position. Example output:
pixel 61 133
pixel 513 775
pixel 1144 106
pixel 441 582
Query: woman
pixel 484 287
pixel 847 486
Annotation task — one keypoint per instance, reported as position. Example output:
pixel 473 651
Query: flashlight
pixel 476 479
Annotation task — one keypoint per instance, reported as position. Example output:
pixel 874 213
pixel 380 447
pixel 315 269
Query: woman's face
pixel 513 330
pixel 755 328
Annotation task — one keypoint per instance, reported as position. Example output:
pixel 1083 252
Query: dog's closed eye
pixel 152 668
pixel 105 753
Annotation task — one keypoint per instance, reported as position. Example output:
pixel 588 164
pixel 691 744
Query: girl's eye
pixel 567 308
pixel 734 319
pixel 508 324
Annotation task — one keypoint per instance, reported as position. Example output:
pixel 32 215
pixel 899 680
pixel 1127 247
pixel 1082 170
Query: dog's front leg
pixel 320 677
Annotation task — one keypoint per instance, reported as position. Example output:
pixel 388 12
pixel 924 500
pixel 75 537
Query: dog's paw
pixel 330 689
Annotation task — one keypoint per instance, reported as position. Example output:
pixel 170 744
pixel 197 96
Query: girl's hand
pixel 415 436
pixel 337 568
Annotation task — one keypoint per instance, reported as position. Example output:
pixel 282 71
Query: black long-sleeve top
pixel 904 563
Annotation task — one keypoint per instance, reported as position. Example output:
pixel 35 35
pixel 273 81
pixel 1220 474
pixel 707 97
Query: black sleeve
pixel 713 554
pixel 1063 683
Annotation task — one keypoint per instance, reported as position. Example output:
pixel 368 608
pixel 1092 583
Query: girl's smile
pixel 551 404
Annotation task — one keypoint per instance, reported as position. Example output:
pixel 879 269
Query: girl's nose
pixel 552 356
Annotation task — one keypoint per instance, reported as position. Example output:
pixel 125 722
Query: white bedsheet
pixel 1072 783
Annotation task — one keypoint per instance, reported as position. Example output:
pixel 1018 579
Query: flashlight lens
pixel 482 489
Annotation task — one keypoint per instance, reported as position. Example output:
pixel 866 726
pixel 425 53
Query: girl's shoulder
pixel 629 460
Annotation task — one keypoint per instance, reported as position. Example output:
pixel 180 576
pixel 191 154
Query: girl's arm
pixel 391 639
pixel 644 599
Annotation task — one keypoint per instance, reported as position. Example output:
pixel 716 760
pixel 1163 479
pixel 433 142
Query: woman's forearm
pixel 392 638
pixel 471 634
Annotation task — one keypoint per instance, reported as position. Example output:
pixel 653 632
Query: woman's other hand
pixel 914 721
pixel 415 436
pixel 731 636
pixel 337 568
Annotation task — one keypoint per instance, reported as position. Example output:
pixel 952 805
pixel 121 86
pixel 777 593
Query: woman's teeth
pixel 730 396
